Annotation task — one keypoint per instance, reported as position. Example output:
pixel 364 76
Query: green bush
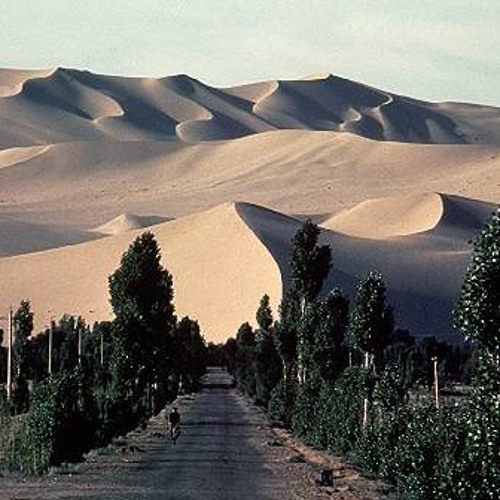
pixel 304 419
pixel 59 427
pixel 282 403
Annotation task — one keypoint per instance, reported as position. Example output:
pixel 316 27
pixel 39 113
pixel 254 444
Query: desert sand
pixel 224 177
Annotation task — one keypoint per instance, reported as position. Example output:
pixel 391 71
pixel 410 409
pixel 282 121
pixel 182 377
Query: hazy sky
pixel 428 49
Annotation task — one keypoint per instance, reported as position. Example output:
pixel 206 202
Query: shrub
pixel 339 412
pixel 281 403
pixel 60 425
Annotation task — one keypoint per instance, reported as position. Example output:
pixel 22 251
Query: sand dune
pixel 411 214
pixel 220 269
pixel 68 105
pixel 84 185
pixel 224 259
pixel 399 186
pixel 128 222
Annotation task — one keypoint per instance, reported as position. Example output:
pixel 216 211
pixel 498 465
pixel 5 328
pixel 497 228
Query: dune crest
pixel 128 222
pixel 13 156
pixel 389 217
pixel 78 148
pixel 407 215
pixel 13 80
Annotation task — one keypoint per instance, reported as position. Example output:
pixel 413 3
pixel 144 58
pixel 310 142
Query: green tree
pixel 477 313
pixel 310 264
pixel 371 323
pixel 23 328
pixel 329 355
pixel 264 315
pixel 268 369
pixel 245 359
pixel 477 316
pixel 190 354
pixel 287 334
pixel 371 326
pixel 141 294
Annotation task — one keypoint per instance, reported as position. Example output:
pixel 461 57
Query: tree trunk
pixel 365 401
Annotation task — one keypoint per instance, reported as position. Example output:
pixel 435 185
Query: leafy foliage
pixel 310 263
pixel 268 363
pixel 371 322
pixel 141 294
pixel 189 359
pixel 23 328
pixel 477 312
pixel 245 359
pixel 61 423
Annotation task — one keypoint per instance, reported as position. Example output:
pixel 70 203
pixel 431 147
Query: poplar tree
pixel 310 264
pixel 371 325
pixel 23 328
pixel 477 317
pixel 268 367
pixel 141 295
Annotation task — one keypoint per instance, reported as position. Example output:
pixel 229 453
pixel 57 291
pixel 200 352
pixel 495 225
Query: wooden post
pixel 79 331
pixel 436 380
pixel 50 345
pixel 102 347
pixel 365 401
pixel 9 356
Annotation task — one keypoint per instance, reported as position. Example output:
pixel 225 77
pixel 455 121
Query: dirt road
pixel 226 451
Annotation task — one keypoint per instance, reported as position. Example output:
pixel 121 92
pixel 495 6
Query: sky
pixel 436 50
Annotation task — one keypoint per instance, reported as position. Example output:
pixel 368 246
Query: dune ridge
pixel 128 222
pixel 410 214
pixel 64 105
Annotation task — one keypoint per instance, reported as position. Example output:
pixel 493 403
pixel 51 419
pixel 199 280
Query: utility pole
pixel 50 344
pixel 102 347
pixel 9 356
pixel 434 359
pixel 79 331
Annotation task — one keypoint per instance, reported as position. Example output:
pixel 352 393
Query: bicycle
pixel 175 432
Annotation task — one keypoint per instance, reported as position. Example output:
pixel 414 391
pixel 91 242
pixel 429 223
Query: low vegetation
pixel 347 381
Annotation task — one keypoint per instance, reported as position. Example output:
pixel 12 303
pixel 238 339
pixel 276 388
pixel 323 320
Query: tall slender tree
pixel 245 359
pixel 477 316
pixel 141 294
pixel 268 369
pixel 477 313
pixel 310 264
pixel 23 328
pixel 371 324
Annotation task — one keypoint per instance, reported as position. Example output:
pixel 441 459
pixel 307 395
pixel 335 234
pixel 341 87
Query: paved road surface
pixel 218 455
pixel 222 454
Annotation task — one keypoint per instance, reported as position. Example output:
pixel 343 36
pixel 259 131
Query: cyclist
pixel 174 420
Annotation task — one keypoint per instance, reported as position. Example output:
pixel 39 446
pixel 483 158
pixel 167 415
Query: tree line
pixel 105 380
pixel 343 378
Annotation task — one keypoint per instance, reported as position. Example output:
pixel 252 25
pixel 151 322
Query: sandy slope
pixel 86 184
pixel 220 270
pixel 399 186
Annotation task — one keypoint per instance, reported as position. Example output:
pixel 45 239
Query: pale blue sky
pixel 428 49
